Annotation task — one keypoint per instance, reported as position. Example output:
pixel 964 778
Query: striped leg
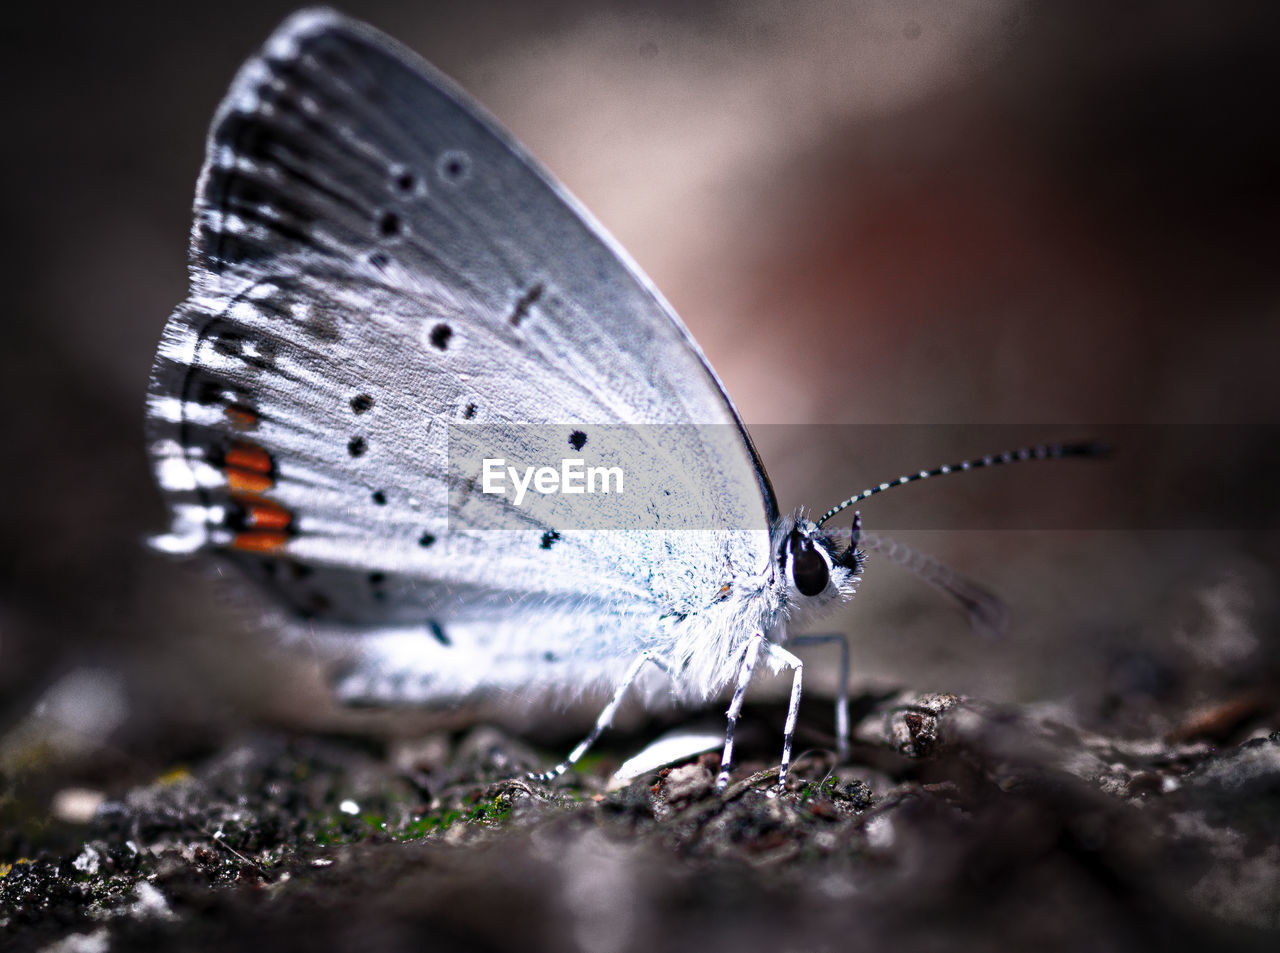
pixel 842 694
pixel 749 657
pixel 752 655
pixel 793 662
pixel 606 716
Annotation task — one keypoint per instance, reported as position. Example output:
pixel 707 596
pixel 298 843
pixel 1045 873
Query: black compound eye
pixel 809 571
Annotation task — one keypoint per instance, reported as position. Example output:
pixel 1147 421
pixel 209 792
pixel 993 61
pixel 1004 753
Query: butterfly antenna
pixel 1047 451
pixel 987 613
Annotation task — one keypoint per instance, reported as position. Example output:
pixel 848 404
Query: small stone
pixel 87 861
pixel 687 782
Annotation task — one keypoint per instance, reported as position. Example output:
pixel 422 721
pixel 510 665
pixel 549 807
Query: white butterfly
pixel 376 267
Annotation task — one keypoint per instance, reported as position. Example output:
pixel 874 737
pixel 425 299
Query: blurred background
pixel 1057 219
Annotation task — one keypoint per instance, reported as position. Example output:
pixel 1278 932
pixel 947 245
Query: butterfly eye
pixel 809 571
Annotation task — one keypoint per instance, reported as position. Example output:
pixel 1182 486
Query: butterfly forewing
pixel 374 262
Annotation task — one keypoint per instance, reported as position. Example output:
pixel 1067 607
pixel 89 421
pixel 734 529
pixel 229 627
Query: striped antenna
pixel 1048 451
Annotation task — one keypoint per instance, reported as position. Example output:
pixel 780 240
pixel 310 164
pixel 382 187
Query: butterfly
pixel 380 275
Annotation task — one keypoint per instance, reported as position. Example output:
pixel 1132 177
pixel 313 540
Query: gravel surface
pixel 953 825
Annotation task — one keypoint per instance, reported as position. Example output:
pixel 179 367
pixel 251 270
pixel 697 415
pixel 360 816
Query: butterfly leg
pixel 606 716
pixel 842 692
pixel 782 656
pixel 749 657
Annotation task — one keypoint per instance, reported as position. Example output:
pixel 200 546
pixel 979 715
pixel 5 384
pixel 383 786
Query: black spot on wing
pixel 453 167
pixel 438 631
pixel 357 446
pixel 548 538
pixel 390 225
pixel 525 302
pixel 361 403
pixel 440 336
pixel 577 440
pixel 405 182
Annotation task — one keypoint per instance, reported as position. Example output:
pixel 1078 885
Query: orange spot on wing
pixel 266 524
pixel 249 456
pixel 259 542
pixel 265 515
pixel 242 418
pixel 248 482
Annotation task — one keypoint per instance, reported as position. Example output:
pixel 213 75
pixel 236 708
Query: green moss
pixel 491 811
pixel 811 791
pixel 336 829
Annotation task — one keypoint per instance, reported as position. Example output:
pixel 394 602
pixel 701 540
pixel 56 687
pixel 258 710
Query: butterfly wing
pixel 374 262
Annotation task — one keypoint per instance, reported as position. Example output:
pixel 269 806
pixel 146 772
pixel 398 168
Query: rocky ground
pixel 952 825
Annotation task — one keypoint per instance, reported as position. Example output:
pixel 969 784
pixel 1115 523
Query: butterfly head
pixel 812 564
